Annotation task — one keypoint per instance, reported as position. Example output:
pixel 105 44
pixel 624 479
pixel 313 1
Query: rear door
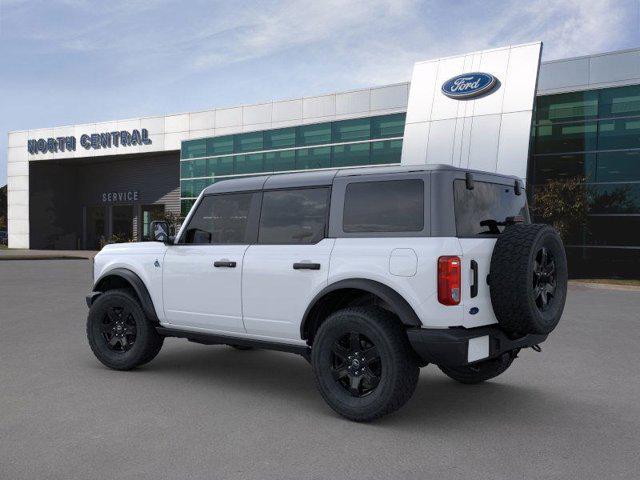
pixel 290 262
pixel 480 214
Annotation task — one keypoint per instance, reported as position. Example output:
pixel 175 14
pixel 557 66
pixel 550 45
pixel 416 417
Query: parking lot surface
pixel 572 411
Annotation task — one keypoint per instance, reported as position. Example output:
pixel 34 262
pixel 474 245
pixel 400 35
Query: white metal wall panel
pixel 18 139
pixel 563 74
pixel 253 114
pixel 392 96
pixel 415 143
pixel 202 120
pixel 353 102
pixel 441 140
pixel 155 125
pixel 484 141
pixel 614 67
pixel 314 107
pixel 228 117
pixel 287 110
pixel 515 137
pixel 468 132
pixel 176 123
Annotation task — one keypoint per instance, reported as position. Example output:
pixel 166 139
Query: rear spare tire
pixel 528 279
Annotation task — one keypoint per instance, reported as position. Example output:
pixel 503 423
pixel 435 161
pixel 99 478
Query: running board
pixel 216 339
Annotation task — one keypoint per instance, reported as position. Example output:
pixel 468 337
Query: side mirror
pixel 160 231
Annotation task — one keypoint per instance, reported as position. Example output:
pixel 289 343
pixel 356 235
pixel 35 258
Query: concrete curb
pixel 23 254
pixel 606 286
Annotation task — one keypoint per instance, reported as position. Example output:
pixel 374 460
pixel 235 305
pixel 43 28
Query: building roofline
pixel 602 54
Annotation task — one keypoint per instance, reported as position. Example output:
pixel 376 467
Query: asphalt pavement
pixel 211 412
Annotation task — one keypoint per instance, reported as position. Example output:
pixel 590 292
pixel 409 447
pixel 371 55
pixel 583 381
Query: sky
pixel 65 62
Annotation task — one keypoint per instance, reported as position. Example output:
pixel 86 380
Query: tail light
pixel 449 280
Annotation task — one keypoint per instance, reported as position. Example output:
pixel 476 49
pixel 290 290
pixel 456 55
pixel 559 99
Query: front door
pixel 290 262
pixel 202 272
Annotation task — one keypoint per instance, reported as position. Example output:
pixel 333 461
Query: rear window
pixel 483 210
pixel 387 206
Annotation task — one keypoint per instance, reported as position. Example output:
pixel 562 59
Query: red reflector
pixel 449 280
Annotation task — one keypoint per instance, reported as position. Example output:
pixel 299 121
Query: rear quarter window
pixel 484 210
pixel 384 206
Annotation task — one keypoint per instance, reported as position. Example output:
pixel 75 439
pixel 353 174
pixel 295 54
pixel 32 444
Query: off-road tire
pixel 514 280
pixel 147 342
pixel 397 362
pixel 480 372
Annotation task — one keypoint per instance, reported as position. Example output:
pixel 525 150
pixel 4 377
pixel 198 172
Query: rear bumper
pixel 455 347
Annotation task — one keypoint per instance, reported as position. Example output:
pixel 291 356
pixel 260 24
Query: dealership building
pixel 76 187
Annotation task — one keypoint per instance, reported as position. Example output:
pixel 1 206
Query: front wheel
pixel 363 364
pixel 482 371
pixel 119 333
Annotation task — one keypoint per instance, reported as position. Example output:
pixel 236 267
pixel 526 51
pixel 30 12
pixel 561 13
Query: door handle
pixel 224 263
pixel 306 266
pixel 474 286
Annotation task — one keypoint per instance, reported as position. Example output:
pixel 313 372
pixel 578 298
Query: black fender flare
pixel 135 282
pixel 396 301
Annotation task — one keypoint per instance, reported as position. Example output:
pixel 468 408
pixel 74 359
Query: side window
pixel 384 206
pixel 220 219
pixel 296 216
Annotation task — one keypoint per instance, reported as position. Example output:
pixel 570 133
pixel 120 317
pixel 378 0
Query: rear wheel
pixel 119 333
pixel 363 364
pixel 480 372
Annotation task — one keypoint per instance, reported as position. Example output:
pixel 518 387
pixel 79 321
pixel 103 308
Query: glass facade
pixel 362 141
pixel 594 135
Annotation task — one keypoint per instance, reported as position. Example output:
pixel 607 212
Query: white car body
pixel 265 299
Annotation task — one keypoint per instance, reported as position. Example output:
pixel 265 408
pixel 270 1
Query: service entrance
pixel 85 203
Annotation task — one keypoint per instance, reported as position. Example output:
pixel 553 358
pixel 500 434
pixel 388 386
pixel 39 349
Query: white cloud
pixel 375 39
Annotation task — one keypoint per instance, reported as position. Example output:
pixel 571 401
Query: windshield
pixel 484 210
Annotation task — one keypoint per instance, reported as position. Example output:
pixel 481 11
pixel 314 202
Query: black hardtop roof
pixel 325 177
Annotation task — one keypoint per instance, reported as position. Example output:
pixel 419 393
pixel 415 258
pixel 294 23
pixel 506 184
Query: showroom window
pixel 593 136
pixel 361 141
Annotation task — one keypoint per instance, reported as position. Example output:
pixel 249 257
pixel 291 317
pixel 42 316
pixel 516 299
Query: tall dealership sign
pixel 474 110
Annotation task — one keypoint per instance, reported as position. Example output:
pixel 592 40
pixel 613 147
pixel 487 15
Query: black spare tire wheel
pixel 528 279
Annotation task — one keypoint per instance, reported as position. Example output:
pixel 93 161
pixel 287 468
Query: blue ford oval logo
pixel 469 85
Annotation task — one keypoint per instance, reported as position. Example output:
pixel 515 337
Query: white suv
pixel 369 273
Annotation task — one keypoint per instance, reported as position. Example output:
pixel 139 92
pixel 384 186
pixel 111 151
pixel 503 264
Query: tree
pixel 563 203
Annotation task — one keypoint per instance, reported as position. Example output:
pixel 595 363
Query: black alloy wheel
pixel 544 279
pixel 363 363
pixel 119 333
pixel 356 364
pixel 119 328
